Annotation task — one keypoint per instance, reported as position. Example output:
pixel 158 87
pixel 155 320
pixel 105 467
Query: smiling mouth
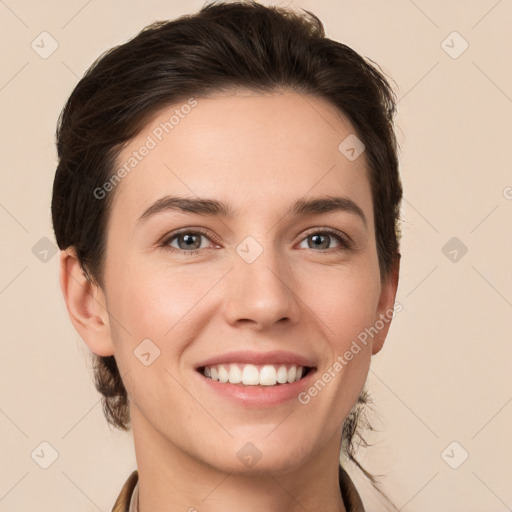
pixel 255 375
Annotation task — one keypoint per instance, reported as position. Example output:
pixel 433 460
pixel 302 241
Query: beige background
pixel 444 374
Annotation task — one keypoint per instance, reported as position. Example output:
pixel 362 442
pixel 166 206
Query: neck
pixel 171 479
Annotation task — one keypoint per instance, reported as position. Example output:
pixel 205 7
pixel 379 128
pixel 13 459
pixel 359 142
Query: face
pixel 269 279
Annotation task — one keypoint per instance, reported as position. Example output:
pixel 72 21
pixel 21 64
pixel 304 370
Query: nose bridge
pixel 261 286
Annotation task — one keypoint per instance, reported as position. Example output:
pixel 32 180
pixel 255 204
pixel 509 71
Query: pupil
pixel 316 237
pixel 189 240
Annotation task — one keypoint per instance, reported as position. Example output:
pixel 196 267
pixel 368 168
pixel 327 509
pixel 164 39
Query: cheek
pixel 160 304
pixel 159 319
pixel 346 302
pixel 139 293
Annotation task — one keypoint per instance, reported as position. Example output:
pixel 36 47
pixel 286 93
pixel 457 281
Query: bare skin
pixel 303 294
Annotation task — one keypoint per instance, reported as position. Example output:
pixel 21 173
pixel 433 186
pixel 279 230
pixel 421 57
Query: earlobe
pixel 386 306
pixel 86 304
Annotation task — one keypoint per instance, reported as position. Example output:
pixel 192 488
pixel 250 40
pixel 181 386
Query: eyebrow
pixel 211 207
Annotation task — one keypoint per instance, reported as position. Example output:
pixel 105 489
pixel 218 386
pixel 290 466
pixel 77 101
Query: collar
pixel 127 501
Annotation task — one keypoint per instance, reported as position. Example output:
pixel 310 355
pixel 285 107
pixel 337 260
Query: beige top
pixel 128 499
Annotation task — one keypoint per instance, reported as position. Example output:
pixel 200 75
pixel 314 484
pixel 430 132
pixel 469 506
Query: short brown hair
pixel 223 46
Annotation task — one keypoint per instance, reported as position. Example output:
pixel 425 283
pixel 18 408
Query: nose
pixel 261 293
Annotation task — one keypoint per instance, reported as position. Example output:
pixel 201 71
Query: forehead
pixel 255 151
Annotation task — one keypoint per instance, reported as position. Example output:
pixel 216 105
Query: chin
pixel 261 455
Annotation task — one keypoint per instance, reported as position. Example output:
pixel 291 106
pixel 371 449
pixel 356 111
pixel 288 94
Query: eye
pixel 320 239
pixel 188 242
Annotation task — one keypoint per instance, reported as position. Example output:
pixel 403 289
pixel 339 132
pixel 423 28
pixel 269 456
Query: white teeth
pixel 235 374
pixel 223 373
pixel 268 376
pixel 254 375
pixel 250 375
pixel 282 375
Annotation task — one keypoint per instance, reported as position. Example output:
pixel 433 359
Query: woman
pixel 226 204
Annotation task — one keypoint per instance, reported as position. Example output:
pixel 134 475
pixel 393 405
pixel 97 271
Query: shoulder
pixel 351 498
pixel 123 501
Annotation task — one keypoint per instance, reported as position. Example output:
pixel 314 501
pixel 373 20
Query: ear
pixel 86 304
pixel 386 309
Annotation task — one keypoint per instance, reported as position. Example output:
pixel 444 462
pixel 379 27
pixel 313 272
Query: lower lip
pixel 259 396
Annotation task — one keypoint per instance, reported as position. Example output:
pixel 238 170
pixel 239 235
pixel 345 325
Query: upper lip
pixel 273 357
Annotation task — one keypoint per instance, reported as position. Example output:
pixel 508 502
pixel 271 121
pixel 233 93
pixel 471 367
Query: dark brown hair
pixel 225 46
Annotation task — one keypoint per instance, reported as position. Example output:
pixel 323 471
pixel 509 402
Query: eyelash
pixel 345 242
